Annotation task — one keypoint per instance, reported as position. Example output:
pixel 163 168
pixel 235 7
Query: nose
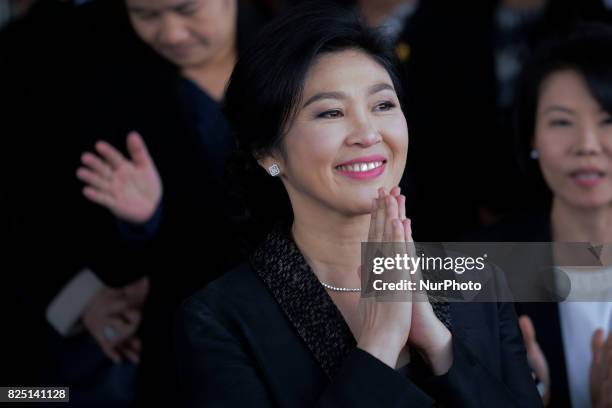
pixel 171 31
pixel 364 132
pixel 588 142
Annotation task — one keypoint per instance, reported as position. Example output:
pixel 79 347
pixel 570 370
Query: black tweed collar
pixel 304 301
pixel 319 323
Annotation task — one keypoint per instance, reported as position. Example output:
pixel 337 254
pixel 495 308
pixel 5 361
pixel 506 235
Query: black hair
pixel 586 50
pixel 266 87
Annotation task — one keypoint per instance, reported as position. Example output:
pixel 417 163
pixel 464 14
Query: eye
pixel 607 121
pixel 384 106
pixel 330 114
pixel 145 14
pixel 186 9
pixel 557 123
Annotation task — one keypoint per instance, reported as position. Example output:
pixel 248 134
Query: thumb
pixel 407 224
pixel 137 291
pixel 597 342
pixel 535 356
pixel 529 336
pixel 138 150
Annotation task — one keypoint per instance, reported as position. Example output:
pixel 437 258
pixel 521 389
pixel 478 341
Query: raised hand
pixel 385 324
pixel 535 356
pixel 428 335
pixel 601 370
pixel 130 188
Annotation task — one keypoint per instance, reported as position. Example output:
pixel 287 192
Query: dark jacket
pixel 189 140
pixel 98 83
pixel 267 334
pixel 544 315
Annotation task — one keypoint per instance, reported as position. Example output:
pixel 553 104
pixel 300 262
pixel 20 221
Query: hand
pixel 601 370
pixel 113 316
pixel 136 294
pixel 130 189
pixel 385 324
pixel 428 335
pixel 535 357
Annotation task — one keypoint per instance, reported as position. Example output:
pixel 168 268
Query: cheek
pixel 551 150
pixel 550 170
pixel 550 163
pixel 607 144
pixel 312 152
pixel 323 141
pixel 146 31
pixel 209 34
pixel 214 24
pixel 396 137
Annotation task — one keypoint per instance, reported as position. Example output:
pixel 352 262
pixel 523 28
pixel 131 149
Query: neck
pixel 376 11
pixel 212 76
pixel 331 244
pixel 571 224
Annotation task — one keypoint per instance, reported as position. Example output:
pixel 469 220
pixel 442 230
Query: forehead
pixel 344 69
pixel 568 86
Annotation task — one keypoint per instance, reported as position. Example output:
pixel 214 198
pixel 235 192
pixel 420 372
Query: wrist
pixel 438 354
pixel 384 347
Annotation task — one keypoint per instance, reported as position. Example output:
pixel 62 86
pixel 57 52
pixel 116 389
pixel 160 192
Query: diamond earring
pixel 274 170
pixel 534 154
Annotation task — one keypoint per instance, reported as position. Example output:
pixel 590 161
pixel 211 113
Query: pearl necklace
pixel 337 289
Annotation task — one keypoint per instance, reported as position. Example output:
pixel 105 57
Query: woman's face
pixel 573 137
pixel 189 33
pixel 349 136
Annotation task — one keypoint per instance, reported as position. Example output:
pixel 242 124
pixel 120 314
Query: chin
pixel 592 203
pixel 362 202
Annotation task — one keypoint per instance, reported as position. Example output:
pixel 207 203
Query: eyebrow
pixel 383 86
pixel 324 95
pixel 341 95
pixel 557 108
pixel 143 9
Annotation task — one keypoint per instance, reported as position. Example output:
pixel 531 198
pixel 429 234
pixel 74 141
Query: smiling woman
pixel 564 135
pixel 573 137
pixel 317 110
pixel 346 141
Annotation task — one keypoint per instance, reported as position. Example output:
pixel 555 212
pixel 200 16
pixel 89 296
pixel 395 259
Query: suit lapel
pixel 307 305
pixel 304 301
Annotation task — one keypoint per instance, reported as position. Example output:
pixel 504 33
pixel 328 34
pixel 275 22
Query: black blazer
pixel 535 227
pixel 100 81
pixel 267 334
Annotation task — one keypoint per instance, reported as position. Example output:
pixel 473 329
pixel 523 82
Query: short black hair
pixel 266 86
pixel 588 51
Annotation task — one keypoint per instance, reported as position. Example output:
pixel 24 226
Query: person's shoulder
pixel 236 289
